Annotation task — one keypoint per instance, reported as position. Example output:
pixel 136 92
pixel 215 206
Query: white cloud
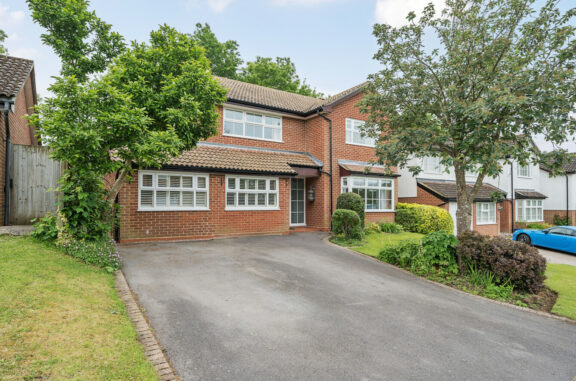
pixel 302 2
pixel 10 17
pixel 394 12
pixel 217 6
pixel 29 53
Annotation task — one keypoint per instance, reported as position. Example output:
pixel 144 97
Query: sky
pixel 330 41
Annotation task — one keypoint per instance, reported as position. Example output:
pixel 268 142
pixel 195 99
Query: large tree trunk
pixel 115 188
pixel 464 201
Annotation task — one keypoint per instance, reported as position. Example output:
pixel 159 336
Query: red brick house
pixel 17 98
pixel 277 165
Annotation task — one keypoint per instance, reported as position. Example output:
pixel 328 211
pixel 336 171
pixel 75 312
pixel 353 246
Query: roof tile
pixel 448 191
pixel 13 74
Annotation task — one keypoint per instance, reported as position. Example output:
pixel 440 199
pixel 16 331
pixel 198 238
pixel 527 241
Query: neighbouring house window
pixel 485 213
pixel 431 165
pixel 251 193
pixel 523 171
pixel 529 210
pixel 354 134
pixel 252 125
pixel 172 191
pixel 378 194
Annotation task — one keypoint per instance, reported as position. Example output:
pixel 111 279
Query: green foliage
pixel 391 227
pixel 102 253
pixel 279 74
pixel 493 287
pixel 538 225
pixel 46 228
pixel 373 228
pixel 471 86
pixel 3 37
pixel 423 219
pixel 402 254
pixel 347 223
pixel 562 220
pixel 84 42
pixel 352 201
pixel 509 261
pixel 224 57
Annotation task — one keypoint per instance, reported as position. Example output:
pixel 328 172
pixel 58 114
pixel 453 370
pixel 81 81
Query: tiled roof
pixel 13 74
pixel 225 158
pixel 569 167
pixel 249 93
pixel 447 191
pixel 524 194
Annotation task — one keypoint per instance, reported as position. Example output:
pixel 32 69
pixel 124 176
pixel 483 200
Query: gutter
pixel 7 188
pixel 331 166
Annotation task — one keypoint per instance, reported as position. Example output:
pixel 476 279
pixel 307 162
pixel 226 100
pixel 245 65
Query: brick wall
pixel 425 198
pixel 549 215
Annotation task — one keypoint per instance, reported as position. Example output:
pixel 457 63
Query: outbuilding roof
pixel 447 190
pixel 529 194
pixel 569 167
pixel 14 72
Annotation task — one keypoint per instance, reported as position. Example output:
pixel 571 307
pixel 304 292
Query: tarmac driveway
pixel 296 308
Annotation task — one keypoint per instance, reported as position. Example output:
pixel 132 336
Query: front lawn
pixel 374 242
pixel 61 319
pixel 562 279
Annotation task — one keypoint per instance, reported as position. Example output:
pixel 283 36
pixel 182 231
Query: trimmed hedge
pixel 352 201
pixel 347 223
pixel 424 219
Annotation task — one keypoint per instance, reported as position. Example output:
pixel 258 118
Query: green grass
pixel 374 242
pixel 61 319
pixel 562 279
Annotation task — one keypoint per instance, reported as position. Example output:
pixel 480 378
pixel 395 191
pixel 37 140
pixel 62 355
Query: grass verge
pixel 61 319
pixel 562 279
pixel 374 242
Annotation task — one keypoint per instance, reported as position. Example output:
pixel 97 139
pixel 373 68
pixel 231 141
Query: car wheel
pixel 524 239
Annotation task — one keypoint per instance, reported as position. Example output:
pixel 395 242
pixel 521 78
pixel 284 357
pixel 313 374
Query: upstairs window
pixel 172 191
pixel 431 165
pixel 354 134
pixel 523 171
pixel 252 125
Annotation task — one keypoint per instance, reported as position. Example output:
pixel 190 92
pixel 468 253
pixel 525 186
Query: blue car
pixel 561 238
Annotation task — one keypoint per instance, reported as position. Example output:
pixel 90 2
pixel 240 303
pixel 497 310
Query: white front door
pixel 297 202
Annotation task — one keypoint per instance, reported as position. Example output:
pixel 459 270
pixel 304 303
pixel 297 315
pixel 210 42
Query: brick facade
pixel 310 135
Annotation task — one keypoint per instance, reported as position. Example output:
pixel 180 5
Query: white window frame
pixel 347 185
pixel 522 204
pixel 169 208
pixel 251 191
pixel 352 127
pixel 520 168
pixel 437 166
pixel 244 122
pixel 488 207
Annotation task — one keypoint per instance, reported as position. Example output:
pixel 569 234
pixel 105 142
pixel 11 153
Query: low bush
pixel 46 228
pixel 102 253
pixel 493 287
pixel 538 225
pixel 347 223
pixel 402 254
pixel 562 220
pixel 372 228
pixel 424 219
pixel 352 201
pixel 391 227
pixel 517 263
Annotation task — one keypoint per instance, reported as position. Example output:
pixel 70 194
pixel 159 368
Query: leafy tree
pixel 224 57
pixel 502 73
pixel 3 37
pixel 84 43
pixel 279 74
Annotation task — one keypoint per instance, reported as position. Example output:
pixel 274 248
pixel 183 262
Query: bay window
pixel 378 194
pixel 252 125
pixel 172 191
pixel 251 193
pixel 529 210
pixel 485 213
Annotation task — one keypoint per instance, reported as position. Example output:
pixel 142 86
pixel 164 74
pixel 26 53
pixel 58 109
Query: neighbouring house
pixel 562 192
pixel 277 164
pixel 437 186
pixel 17 99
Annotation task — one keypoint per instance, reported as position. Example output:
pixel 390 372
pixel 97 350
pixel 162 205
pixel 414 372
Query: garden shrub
pixel 424 219
pixel 46 228
pixel 352 201
pixel 562 220
pixel 510 261
pixel 538 225
pixel 391 227
pixel 372 228
pixel 102 253
pixel 402 254
pixel 439 250
pixel 347 223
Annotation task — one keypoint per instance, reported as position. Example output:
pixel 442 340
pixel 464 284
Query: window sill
pixel 486 223
pixel 252 138
pixel 228 209
pixel 524 177
pixel 379 211
pixel 361 145
pixel 173 209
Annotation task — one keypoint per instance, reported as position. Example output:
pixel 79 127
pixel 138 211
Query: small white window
pixel 378 194
pixel 252 125
pixel 529 210
pixel 431 165
pixel 354 134
pixel 485 213
pixel 169 191
pixel 251 193
pixel 524 171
